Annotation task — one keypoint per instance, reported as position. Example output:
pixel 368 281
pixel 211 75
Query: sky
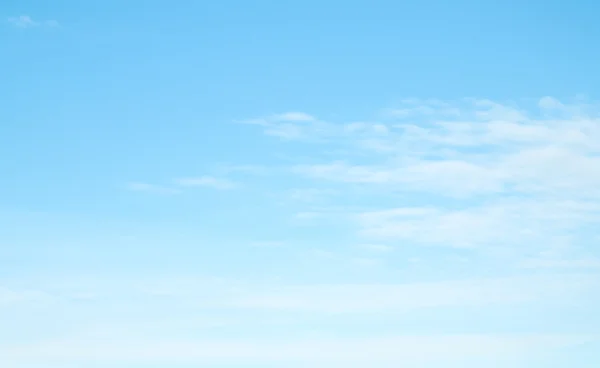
pixel 233 184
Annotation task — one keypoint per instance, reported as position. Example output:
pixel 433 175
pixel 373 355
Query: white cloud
pixel 447 176
pixel 481 156
pixel 517 223
pixel 361 127
pixel 206 181
pixel 480 174
pixel 550 103
pixel 304 127
pixel 285 131
pixel 25 21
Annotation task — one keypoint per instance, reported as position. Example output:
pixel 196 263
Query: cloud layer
pixel 474 173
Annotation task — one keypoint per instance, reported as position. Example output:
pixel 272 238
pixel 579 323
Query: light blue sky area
pixel 299 184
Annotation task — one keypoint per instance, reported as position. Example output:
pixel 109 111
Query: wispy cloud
pixel 304 127
pixel 480 174
pixel 513 185
pixel 25 21
pixel 513 223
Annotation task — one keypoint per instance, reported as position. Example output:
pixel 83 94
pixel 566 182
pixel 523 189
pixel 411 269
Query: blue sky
pixel 307 184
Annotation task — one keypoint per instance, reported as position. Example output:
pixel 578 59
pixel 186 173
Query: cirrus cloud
pixel 480 174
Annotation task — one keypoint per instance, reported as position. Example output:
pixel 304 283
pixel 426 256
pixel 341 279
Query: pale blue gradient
pixel 181 179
